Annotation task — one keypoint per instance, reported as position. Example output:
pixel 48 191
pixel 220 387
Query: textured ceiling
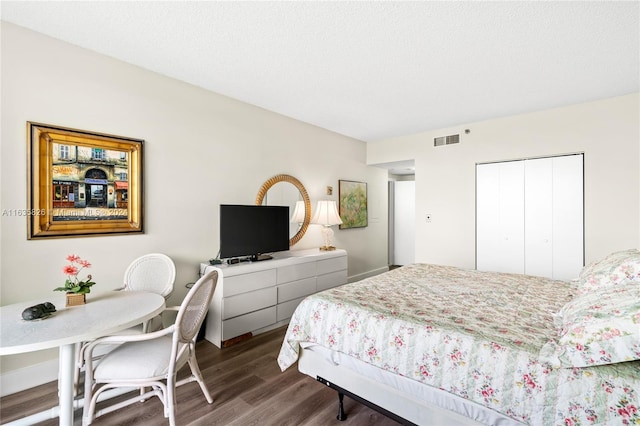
pixel 370 70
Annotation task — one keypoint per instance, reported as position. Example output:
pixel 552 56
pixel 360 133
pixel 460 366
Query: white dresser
pixel 253 297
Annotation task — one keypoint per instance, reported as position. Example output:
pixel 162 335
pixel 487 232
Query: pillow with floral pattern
pixel 600 327
pixel 618 268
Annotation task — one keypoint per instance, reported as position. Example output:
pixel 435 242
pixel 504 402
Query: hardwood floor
pixel 247 389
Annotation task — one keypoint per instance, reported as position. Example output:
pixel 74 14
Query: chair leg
pixel 89 409
pixel 170 399
pixel 195 370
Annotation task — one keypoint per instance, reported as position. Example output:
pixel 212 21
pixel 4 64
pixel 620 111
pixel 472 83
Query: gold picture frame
pixel 82 183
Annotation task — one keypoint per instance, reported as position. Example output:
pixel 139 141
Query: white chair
pixel 154 273
pixel 151 360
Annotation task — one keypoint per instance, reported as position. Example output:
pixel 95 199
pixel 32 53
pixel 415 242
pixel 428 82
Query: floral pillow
pixel 600 327
pixel 615 269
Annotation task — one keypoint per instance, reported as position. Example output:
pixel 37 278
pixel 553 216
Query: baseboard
pixel 28 377
pixel 367 274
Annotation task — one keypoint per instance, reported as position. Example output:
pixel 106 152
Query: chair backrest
pixel 194 307
pixel 154 272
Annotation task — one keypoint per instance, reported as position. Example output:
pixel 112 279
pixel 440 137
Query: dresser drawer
pixel 243 283
pixel 286 309
pixel 296 289
pixel 296 272
pixel 330 265
pixel 331 280
pixel 245 323
pixel 249 302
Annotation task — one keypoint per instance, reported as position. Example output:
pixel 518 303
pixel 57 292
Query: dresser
pixel 253 297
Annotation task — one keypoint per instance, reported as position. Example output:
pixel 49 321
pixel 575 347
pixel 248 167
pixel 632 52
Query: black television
pixel 253 231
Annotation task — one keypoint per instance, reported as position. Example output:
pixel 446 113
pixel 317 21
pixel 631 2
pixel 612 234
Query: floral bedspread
pixel 474 334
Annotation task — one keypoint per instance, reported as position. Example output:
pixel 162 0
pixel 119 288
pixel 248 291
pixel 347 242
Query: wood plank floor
pixel 247 387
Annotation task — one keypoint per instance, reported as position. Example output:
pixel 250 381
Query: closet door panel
pixel 487 214
pixel 568 216
pixel 500 217
pixel 538 228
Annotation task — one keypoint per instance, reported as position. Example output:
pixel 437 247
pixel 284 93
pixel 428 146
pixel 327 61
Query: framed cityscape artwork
pixel 82 183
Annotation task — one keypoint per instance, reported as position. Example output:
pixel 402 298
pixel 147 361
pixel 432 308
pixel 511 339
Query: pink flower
pixel 73 283
pixel 424 371
pixel 569 422
pixel 624 412
pixel 70 270
pixel 528 380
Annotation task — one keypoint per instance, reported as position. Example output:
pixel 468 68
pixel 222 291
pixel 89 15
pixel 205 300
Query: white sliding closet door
pixel 500 217
pixel 538 210
pixel 568 216
pixel 542 200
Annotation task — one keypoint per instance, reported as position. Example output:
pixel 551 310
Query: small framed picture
pixel 353 204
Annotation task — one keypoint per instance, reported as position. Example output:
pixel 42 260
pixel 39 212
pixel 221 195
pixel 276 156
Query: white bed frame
pixel 405 400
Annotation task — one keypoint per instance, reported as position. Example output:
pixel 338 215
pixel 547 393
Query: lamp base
pixel 327 248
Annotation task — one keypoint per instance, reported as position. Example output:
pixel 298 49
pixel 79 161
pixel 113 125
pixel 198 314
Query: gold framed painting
pixel 81 183
pixel 353 204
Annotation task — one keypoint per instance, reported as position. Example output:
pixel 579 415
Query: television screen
pixel 253 230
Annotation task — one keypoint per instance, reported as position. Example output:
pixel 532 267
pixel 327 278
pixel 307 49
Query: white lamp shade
pixel 298 213
pixel 326 214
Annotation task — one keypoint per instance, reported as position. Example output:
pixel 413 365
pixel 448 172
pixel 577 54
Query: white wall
pixel 201 149
pixel 607 131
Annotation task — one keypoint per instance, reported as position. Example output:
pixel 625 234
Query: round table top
pixel 103 314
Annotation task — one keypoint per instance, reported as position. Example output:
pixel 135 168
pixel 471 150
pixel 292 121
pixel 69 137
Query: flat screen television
pixel 253 231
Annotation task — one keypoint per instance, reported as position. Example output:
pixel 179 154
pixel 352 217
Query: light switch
pixel 428 218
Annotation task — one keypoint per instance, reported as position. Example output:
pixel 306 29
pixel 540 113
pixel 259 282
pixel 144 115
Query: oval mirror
pixel 278 191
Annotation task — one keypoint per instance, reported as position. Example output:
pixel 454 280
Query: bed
pixel 431 344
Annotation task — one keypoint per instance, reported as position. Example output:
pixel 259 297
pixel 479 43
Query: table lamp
pixel 326 215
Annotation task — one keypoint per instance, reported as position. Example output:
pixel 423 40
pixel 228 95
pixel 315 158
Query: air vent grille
pixel 446 140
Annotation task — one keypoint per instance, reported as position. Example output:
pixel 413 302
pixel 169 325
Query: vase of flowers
pixel 75 288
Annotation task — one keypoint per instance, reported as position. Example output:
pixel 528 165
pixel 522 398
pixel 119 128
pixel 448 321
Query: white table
pixel 103 314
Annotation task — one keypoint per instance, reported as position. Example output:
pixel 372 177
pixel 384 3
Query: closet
pixel 529 216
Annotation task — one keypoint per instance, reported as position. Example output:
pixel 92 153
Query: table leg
pixel 65 384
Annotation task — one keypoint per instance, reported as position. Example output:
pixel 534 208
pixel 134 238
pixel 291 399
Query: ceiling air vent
pixel 446 140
